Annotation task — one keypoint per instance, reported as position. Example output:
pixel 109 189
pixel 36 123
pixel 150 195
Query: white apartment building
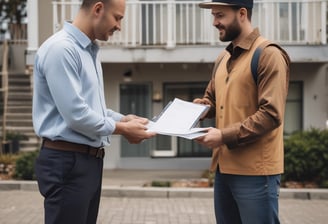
pixel 166 49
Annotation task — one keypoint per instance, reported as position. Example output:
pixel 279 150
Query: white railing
pixel 15 33
pixel 170 23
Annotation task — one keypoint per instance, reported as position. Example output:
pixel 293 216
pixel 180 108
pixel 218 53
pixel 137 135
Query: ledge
pixel 166 192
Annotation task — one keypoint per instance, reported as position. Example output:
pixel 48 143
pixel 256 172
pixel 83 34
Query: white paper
pixel 179 119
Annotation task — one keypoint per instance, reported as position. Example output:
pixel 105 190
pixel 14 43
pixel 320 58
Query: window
pixel 294 108
pixel 185 147
pixel 135 99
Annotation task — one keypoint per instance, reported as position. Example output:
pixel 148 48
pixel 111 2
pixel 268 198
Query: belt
pixel 74 147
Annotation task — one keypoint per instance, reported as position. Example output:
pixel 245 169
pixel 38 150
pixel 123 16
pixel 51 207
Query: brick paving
pixel 25 207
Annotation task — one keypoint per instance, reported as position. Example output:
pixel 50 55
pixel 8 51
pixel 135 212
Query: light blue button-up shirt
pixel 68 99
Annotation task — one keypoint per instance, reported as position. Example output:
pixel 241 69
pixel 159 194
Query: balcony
pixel 179 31
pixel 181 23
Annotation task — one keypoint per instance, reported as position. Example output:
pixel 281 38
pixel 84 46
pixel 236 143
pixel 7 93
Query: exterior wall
pixel 194 63
pixel 155 73
pixel 17 58
pixel 315 104
pixel 45 20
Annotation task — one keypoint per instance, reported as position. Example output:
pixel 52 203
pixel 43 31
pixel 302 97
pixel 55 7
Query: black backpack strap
pixel 256 57
pixel 255 62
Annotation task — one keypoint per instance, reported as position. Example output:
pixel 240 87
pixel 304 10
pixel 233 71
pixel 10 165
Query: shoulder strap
pixel 255 62
pixel 256 56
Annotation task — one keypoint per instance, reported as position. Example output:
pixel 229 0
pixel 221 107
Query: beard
pixel 232 31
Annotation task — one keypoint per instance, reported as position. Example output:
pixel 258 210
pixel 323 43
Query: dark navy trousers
pixel 70 183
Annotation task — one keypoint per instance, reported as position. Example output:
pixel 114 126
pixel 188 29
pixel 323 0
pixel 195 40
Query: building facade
pixel 167 48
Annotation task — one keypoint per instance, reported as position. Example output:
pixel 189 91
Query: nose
pixel 118 26
pixel 216 21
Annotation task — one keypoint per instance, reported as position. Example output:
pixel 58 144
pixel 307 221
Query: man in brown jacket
pixel 247 142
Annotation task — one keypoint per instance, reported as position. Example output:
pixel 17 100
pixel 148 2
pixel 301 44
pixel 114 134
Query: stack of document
pixel 179 118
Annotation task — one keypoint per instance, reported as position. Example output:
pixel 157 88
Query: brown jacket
pixel 250 115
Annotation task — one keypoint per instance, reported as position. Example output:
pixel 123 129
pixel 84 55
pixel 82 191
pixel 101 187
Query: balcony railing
pixel 170 23
pixel 14 33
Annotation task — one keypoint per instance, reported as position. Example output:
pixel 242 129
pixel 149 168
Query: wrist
pixel 120 128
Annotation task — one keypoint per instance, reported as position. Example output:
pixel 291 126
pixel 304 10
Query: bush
pixel 158 183
pixel 7 165
pixel 306 156
pixel 25 166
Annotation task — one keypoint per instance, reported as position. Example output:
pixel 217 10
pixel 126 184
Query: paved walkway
pixel 125 201
pixel 25 207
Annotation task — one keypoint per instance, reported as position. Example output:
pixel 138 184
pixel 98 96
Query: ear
pixel 98 8
pixel 243 14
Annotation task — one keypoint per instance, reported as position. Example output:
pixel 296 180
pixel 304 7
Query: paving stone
pixel 26 207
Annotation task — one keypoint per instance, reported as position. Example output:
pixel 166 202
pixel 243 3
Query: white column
pixel 32 30
pixel 323 22
pixel 170 26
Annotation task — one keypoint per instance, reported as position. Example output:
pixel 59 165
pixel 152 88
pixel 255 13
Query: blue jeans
pixel 246 199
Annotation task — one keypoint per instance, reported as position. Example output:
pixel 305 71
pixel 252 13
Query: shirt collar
pixel 245 44
pixel 77 34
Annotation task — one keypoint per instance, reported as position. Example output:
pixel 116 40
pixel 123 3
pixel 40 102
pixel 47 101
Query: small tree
pixel 11 12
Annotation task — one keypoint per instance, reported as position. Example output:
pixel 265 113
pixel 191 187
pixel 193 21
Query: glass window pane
pixel 135 99
pixel 294 108
pixel 185 91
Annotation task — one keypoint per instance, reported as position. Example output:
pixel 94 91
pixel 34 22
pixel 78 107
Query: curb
pixel 165 192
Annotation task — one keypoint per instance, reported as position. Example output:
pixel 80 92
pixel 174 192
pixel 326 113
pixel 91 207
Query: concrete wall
pixel 45 20
pixel 315 105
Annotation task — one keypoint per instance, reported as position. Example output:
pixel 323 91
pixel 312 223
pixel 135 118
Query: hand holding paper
pixel 179 118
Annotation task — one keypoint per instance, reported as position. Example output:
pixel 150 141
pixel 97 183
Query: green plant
pixel 157 183
pixel 7 165
pixel 7 159
pixel 16 136
pixel 12 10
pixel 210 177
pixel 25 165
pixel 306 156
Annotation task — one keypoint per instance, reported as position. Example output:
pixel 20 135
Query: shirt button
pixel 221 107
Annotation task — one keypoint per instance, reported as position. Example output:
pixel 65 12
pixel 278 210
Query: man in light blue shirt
pixel 70 114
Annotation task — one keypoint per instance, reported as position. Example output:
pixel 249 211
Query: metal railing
pixel 170 23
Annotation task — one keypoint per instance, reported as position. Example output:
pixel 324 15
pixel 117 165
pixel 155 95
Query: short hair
pixel 88 3
pixel 249 11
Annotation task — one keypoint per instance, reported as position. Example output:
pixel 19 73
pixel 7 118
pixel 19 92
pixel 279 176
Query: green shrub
pixel 7 159
pixel 306 156
pixel 25 165
pixel 7 165
pixel 158 183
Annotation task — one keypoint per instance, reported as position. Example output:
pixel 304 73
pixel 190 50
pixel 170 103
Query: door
pixel 135 99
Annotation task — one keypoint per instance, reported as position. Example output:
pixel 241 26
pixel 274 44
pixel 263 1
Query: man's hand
pixel 201 101
pixel 212 139
pixel 130 117
pixel 134 129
